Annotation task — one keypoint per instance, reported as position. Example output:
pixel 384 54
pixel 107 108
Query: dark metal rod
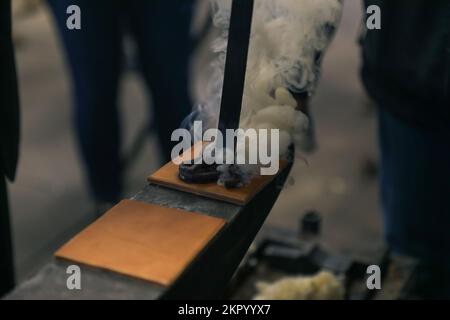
pixel 236 64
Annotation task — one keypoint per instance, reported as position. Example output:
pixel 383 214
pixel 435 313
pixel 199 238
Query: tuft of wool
pixel 323 286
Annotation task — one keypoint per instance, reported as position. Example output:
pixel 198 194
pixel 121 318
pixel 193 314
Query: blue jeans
pixel 415 190
pixel 160 29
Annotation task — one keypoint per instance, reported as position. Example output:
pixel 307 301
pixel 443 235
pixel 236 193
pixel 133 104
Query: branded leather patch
pixel 168 176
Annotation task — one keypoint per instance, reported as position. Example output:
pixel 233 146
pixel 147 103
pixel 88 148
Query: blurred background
pixel 50 201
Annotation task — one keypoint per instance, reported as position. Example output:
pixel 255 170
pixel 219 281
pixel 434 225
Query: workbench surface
pixel 206 277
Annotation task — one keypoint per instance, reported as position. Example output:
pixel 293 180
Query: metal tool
pixel 232 92
pixel 236 64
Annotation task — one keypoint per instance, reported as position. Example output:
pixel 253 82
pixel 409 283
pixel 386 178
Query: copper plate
pixel 143 240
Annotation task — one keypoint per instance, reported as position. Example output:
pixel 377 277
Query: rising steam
pixel 288 38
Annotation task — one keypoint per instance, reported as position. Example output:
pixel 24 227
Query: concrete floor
pixel 49 200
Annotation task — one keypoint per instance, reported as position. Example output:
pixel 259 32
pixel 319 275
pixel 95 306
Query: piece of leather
pixel 143 240
pixel 168 176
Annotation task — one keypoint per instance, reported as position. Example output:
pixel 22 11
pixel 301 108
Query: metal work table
pixel 206 277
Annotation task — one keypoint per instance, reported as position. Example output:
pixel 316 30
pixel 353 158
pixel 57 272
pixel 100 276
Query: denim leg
pixel 94 57
pixel 162 32
pixel 415 190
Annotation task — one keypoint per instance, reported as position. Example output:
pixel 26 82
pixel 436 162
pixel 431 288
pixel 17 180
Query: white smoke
pixel 287 40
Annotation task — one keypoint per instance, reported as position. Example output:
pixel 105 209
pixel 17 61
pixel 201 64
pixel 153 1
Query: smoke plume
pixel 287 41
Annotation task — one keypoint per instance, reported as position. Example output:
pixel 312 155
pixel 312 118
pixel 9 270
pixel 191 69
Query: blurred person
pixel 406 70
pixel 9 142
pixel 161 31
